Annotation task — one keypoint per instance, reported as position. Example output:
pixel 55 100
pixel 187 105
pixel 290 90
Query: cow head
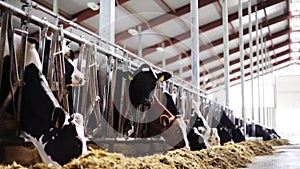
pixel 142 84
pixel 225 134
pixel 200 129
pixel 65 139
pixel 214 139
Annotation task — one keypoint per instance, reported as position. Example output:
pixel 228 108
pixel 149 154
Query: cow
pixel 57 136
pixel 142 83
pixel 201 135
pixel 260 131
pixel 227 130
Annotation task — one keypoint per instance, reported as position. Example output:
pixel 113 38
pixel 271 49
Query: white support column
pixel 226 49
pixel 140 50
pixel 251 59
pixel 181 68
pixel 107 20
pixel 241 47
pixel 195 43
pixel 163 56
pixel 263 74
pixel 55 10
pixel 257 64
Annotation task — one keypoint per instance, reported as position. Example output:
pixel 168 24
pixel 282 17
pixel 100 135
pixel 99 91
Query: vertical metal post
pixel 140 49
pixel 195 43
pixel 180 69
pixel 257 63
pixel 107 20
pixel 251 59
pixel 241 47
pixel 263 74
pixel 275 103
pixel 55 10
pixel 163 56
pixel 226 49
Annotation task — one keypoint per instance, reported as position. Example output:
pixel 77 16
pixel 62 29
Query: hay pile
pixel 259 148
pixel 229 156
pixel 278 142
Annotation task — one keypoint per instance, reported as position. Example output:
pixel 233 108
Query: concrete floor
pixel 285 157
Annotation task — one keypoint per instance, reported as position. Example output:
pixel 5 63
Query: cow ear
pixel 164 120
pixel 58 117
pixel 128 75
pixel 163 76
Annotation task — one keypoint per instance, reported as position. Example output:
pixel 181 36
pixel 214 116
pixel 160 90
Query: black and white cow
pixel 227 130
pixel 142 83
pixel 200 134
pixel 57 136
pixel 260 131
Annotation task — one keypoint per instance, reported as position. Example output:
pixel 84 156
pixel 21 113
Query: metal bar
pixel 257 63
pixel 42 41
pixel 263 74
pixel 77 39
pixel 40 22
pixel 226 49
pixel 241 43
pixel 107 22
pixel 140 50
pixel 251 59
pixel 21 69
pixel 195 43
pixel 4 23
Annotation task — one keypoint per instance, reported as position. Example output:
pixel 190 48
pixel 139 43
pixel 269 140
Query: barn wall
pixel 288 106
pixel 235 98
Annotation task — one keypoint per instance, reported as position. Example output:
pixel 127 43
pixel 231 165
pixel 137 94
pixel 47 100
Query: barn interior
pixel 238 57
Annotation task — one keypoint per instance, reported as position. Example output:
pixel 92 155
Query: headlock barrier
pixel 105 85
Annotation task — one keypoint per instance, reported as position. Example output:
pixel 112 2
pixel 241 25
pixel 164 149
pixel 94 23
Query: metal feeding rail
pixel 190 88
pixel 42 23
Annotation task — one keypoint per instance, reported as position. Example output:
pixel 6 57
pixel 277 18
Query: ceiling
pixel 166 23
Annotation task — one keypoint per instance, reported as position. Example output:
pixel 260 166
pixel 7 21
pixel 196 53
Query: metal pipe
pixel 251 59
pixel 107 22
pixel 140 50
pixel 195 43
pixel 226 49
pixel 257 63
pixel 55 10
pixel 263 74
pixel 241 47
pixel 80 40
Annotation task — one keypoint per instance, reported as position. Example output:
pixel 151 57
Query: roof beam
pixel 207 27
pixel 164 18
pixel 236 61
pixel 248 74
pixel 247 67
pixel 231 37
